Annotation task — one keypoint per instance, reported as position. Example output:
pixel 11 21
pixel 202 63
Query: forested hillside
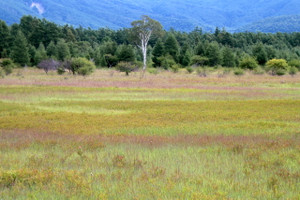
pixel 181 15
pixel 290 23
pixel 34 40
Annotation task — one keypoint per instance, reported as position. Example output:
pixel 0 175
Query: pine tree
pixel 185 55
pixel 20 50
pixel 213 54
pixel 260 54
pixel 63 50
pixel 31 51
pixel 52 50
pixel 126 53
pixel 157 52
pixel 186 59
pixel 228 57
pixel 172 47
pixel 40 54
pixel 4 36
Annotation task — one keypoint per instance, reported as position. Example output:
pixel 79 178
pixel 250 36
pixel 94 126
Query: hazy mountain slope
pixel 181 15
pixel 290 23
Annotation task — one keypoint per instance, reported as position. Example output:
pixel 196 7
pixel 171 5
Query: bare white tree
pixel 141 32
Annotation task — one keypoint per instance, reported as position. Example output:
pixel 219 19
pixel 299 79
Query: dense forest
pixel 34 40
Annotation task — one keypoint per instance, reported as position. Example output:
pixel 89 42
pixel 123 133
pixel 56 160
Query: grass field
pixel 167 136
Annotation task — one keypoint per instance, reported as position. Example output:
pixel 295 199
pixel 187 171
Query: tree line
pixel 34 40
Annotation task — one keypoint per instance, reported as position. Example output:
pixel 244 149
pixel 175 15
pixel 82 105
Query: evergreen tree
pixel 4 38
pixel 20 50
pixel 213 54
pixel 126 53
pixel 228 57
pixel 40 54
pixel 260 54
pixel 52 50
pixel 172 47
pixel 186 59
pixel 200 49
pixel 157 52
pixel 31 51
pixel 63 50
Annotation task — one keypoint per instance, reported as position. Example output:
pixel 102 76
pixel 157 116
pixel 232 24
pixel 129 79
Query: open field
pixel 167 136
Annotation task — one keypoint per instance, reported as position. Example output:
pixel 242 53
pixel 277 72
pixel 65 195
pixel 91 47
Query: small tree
pixel 277 66
pixel 40 54
pixel 127 67
pixel 20 50
pixel 82 66
pixel 110 60
pixel 295 63
pixel 157 52
pixel 141 32
pixel 48 65
pixel 248 63
pixel 7 65
pixel 199 60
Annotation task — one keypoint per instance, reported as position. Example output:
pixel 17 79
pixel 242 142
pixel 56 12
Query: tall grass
pixel 169 136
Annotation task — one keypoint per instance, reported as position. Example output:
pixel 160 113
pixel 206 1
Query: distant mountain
pixel 182 15
pixel 290 23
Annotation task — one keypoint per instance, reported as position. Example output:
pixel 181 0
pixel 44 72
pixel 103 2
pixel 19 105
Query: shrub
pixel 48 65
pixel 128 67
pixel 248 63
pixel 238 72
pixel 277 66
pixel 199 60
pixel 190 70
pixel 202 71
pixel 2 72
pixel 6 62
pixel 82 66
pixel 175 68
pixel 153 70
pixel 295 63
pixel 259 70
pixel 61 70
pixel 7 66
pixel 166 61
pixel 293 70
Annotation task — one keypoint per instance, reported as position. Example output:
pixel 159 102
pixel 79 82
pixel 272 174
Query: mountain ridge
pixel 180 15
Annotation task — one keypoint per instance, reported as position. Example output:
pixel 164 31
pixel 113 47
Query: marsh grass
pixel 169 136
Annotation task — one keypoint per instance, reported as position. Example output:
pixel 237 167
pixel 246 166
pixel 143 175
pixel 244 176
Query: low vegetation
pixel 165 136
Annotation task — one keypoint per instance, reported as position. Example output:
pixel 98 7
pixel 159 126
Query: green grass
pixel 233 140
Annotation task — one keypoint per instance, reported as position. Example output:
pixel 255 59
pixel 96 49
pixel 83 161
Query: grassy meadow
pixel 166 136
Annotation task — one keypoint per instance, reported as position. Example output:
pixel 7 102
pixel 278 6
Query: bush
pixel 82 66
pixel 248 63
pixel 7 66
pixel 295 63
pixel 238 72
pixel 199 60
pixel 49 65
pixel 190 70
pixel 166 61
pixel 293 70
pixel 175 68
pixel 2 72
pixel 128 67
pixel 259 71
pixel 61 70
pixel 153 70
pixel 6 62
pixel 202 71
pixel 277 66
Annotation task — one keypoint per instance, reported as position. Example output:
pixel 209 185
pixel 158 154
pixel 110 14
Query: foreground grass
pixel 181 138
